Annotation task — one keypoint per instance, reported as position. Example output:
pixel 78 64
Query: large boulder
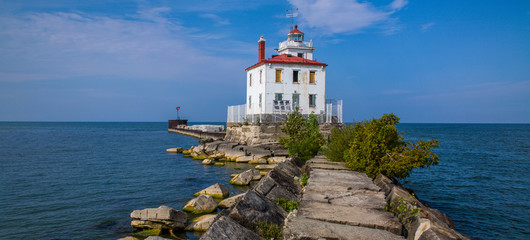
pixel 226 228
pixel 161 217
pixel 254 208
pixel 245 177
pixel 279 184
pixel 217 191
pixel 231 201
pixel 201 204
pixel 201 223
pixel 258 160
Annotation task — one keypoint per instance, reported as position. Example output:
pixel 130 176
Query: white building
pixel 285 82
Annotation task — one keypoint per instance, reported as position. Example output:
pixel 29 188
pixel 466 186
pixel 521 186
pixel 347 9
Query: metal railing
pixel 237 113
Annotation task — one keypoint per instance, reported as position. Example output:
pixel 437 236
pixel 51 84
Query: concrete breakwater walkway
pixel 338 203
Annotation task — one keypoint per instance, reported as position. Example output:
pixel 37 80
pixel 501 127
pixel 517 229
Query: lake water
pixel 82 180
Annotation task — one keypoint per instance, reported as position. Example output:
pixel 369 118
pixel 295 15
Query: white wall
pixel 269 87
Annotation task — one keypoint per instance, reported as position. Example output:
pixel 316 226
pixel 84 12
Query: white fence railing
pixel 236 113
pixel 333 111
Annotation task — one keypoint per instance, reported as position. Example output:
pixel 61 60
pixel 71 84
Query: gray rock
pixel 245 177
pixel 231 201
pixel 161 217
pixel 265 166
pixel 217 191
pixel 385 183
pixel 225 228
pixel 278 184
pixel 289 167
pixel 258 160
pixel 225 147
pixel 254 208
pixel 211 147
pixel 159 214
pixel 244 159
pixel 201 204
pixel 207 162
pixel 201 223
pixel 274 160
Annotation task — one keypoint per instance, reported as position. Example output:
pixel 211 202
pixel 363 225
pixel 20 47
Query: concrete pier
pixel 338 203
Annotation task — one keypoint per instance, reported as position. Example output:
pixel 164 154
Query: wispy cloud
pixel 425 27
pixel 398 4
pixel 216 19
pixel 338 16
pixel 147 45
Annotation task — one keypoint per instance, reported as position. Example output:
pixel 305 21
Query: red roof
pixel 295 30
pixel 287 59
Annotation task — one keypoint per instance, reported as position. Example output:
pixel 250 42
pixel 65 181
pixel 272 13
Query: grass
pixel 270 230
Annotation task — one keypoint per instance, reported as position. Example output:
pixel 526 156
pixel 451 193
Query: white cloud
pixel 216 19
pixel 398 4
pixel 69 45
pixel 338 16
pixel 427 26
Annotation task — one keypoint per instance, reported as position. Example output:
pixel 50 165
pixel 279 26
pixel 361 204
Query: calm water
pixel 81 180
pixel 483 179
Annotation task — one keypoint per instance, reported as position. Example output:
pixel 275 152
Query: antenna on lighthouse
pixel 292 13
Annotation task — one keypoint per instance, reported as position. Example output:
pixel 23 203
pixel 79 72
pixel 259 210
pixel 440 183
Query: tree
pixel 303 136
pixel 377 147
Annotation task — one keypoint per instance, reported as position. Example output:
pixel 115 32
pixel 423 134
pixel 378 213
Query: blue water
pixel 482 180
pixel 81 180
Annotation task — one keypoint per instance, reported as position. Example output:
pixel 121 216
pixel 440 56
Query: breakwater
pixel 337 203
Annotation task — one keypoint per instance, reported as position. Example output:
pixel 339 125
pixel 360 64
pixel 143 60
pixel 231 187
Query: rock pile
pixel 420 221
pixel 246 211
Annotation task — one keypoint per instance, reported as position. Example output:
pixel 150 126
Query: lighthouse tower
pixel 288 81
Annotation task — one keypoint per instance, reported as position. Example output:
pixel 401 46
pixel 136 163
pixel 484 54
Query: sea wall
pixel 198 133
pixel 264 133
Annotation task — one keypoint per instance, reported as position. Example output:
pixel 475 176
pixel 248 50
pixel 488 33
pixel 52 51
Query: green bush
pixel 339 142
pixel 303 136
pixel 376 146
pixel 303 179
pixel 287 205
pixel 270 230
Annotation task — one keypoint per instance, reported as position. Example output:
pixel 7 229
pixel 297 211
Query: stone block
pixel 225 228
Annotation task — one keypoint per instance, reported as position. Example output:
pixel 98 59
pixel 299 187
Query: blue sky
pixel 426 61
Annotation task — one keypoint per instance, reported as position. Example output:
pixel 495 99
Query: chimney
pixel 261 44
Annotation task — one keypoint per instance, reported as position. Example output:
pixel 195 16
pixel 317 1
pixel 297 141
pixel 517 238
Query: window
pixel 312 100
pixel 260 75
pixel 295 76
pixel 278 96
pixel 300 55
pixel 312 77
pixel 278 75
pixel 249 101
pixel 296 101
pixel 250 80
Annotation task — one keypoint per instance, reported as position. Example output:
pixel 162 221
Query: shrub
pixel 377 147
pixel 287 205
pixel 303 179
pixel 303 136
pixel 339 142
pixel 270 230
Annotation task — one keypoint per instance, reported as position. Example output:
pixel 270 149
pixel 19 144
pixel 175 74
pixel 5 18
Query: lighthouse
pixel 288 81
